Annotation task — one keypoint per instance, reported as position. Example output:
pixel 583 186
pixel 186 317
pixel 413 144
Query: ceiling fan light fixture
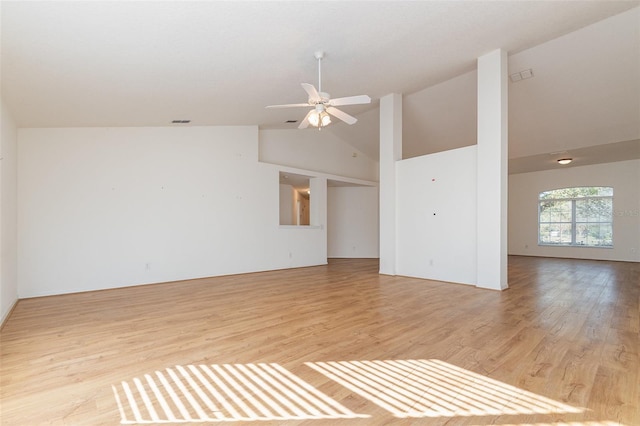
pixel 565 161
pixel 319 118
pixel 314 119
pixel 325 119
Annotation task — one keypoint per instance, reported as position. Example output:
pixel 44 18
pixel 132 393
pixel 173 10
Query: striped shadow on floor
pixel 228 392
pixel 434 388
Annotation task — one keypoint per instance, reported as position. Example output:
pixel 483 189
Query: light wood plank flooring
pixel 333 345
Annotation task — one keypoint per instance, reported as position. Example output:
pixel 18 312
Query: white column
pixel 492 170
pixel 390 153
pixel 318 208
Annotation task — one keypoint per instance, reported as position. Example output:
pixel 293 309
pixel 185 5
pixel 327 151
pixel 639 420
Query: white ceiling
pixel 141 63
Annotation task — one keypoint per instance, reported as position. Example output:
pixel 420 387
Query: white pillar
pixel 390 153
pixel 492 171
pixel 318 207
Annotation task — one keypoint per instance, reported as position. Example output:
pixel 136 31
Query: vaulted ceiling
pixel 134 63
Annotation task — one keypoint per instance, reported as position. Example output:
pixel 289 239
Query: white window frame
pixel 573 223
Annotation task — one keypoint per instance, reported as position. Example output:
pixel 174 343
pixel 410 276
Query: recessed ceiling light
pixel 564 161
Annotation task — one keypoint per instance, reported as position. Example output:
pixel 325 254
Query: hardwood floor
pixel 333 345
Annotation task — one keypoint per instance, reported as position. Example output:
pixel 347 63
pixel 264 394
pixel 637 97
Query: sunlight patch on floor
pixel 594 423
pixel 433 388
pixel 228 392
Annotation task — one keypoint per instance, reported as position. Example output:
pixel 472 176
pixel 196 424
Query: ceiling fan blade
pixel 314 96
pixel 350 100
pixel 342 115
pixel 305 123
pixel 287 106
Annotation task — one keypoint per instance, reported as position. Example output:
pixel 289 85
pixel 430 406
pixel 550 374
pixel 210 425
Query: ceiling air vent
pixel 180 121
pixel 522 75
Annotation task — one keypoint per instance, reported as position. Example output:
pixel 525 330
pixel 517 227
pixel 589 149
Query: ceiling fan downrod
pixel 319 55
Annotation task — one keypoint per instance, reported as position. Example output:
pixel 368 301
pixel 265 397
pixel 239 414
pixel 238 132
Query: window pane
pixel 545 211
pixel 594 210
pixel 565 233
pixel 555 211
pixel 577 192
pixel 594 234
pixel 555 233
pixel 605 191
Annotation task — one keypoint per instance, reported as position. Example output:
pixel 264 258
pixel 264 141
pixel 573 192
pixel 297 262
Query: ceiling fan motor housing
pixel 324 97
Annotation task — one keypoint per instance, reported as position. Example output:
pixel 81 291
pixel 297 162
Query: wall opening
pixel 295 199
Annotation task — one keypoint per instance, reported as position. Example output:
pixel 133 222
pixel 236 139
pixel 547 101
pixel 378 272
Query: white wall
pixel 314 150
pixel 110 207
pixel 584 91
pixel 437 216
pixel 352 222
pixel 8 213
pixel 623 176
pixel 440 117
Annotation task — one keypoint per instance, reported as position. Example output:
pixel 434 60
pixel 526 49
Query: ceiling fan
pixel 323 107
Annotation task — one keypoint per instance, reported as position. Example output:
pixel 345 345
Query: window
pixel 581 216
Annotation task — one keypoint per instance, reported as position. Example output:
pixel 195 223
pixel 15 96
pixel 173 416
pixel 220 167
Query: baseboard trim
pixel 6 317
